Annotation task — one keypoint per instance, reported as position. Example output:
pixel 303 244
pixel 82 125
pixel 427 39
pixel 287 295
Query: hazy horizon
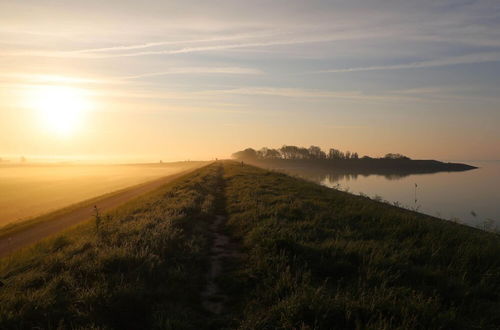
pixel 200 80
pixel 143 159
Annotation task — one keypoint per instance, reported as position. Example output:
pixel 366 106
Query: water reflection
pixel 336 175
pixel 470 197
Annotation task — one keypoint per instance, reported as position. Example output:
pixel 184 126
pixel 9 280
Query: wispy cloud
pixel 169 42
pixel 436 95
pixel 224 96
pixel 47 78
pixel 246 41
pixel 32 78
pixel 220 95
pixel 274 42
pixel 314 94
pixel 466 59
pixel 198 70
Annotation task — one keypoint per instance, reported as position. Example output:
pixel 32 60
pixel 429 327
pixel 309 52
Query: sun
pixel 60 108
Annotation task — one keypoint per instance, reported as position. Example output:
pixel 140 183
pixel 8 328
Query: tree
pixel 335 154
pixel 262 153
pixel 316 153
pixel 273 154
pixel 289 152
pixel 395 156
pixel 248 153
pixel 294 152
pixel 303 153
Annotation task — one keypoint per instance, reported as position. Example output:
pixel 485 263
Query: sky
pixel 149 80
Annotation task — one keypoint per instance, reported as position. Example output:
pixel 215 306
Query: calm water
pixel 471 197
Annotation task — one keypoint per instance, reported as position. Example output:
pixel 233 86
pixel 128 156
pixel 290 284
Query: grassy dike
pixel 142 268
pixel 308 257
pixel 319 258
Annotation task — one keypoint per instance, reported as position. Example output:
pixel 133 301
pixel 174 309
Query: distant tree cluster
pixel 294 152
pixel 395 156
pixel 313 152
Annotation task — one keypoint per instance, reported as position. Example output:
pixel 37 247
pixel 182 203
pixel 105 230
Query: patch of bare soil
pixel 213 298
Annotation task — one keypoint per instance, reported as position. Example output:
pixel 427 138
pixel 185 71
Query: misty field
pixel 30 190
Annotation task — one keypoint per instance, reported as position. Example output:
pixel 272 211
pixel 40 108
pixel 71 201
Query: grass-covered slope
pixel 307 257
pixel 321 259
pixel 142 268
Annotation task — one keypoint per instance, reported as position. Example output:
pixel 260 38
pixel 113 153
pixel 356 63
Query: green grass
pixel 312 258
pixel 143 269
pixel 319 258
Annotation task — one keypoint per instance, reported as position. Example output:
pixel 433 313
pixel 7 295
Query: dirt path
pixel 38 231
pixel 212 297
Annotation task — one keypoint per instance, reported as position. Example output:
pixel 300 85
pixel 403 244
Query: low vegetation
pixel 319 258
pixel 140 267
pixel 309 257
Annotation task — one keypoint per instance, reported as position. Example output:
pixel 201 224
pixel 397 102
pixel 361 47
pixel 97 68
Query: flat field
pixel 29 190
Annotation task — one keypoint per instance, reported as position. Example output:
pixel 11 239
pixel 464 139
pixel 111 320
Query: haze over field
pixel 170 80
pixel 31 190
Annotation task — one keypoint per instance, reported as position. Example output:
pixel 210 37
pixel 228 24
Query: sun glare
pixel 60 108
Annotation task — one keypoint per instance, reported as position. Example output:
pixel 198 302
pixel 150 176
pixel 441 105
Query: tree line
pixel 313 153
